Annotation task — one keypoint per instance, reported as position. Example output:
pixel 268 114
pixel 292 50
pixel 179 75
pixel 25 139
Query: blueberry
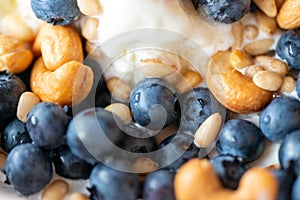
pixel 93 134
pixel 298 86
pixel 46 124
pixel 242 139
pixel 229 170
pixel 28 169
pixel 158 185
pixel 14 134
pixel 223 11
pixel 289 152
pixel 69 166
pixel 56 12
pixel 152 103
pixel 177 150
pixel 288 47
pixel 195 106
pixel 108 183
pixel 136 140
pixel 285 183
pixel 11 87
pixel 295 189
pixel 280 117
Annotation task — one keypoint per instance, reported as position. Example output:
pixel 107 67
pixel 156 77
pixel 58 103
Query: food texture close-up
pixel 150 100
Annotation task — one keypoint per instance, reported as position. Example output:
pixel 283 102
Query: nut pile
pixel 161 119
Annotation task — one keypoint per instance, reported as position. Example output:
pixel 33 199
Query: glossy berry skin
pixel 289 152
pixel 56 12
pixel 89 132
pixel 194 108
pixel 285 183
pixel 14 134
pixel 295 189
pixel 11 87
pixel 298 86
pixel 108 183
pixel 177 149
pixel 223 11
pixel 242 139
pixel 152 103
pixel 279 118
pixel 47 124
pixel 158 185
pixel 229 170
pixel 69 166
pixel 137 139
pixel 288 47
pixel 28 169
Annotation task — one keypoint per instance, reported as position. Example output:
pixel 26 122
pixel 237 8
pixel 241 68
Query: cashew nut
pixel 67 85
pixel 197 180
pixel 231 88
pixel 58 45
pixel 14 56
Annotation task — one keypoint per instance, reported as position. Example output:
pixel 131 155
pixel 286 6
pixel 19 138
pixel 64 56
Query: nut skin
pixel 196 180
pixel 289 14
pixel 14 56
pixel 67 85
pixel 58 45
pixel 233 89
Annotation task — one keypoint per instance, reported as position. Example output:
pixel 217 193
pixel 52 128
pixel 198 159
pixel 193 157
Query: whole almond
pixel 289 14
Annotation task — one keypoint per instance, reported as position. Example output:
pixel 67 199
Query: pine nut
pixel 237 32
pixel 121 110
pixel 252 70
pixel 56 190
pixel 266 23
pixel 89 7
pixel 272 64
pixel 119 88
pixel 144 165
pixel 288 84
pixel 26 102
pixel 240 59
pixel 78 196
pixel 267 80
pixel 251 31
pixel 259 47
pixel 189 80
pixel 208 130
pixel 89 28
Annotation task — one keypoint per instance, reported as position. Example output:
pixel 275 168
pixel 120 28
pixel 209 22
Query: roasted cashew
pixel 67 85
pixel 231 88
pixel 197 180
pixel 14 56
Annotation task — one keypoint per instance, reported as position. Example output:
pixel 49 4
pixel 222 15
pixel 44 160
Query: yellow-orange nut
pixel 58 45
pixel 67 85
pixel 14 55
pixel 231 88
pixel 197 180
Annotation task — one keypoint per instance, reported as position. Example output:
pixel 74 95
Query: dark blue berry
pixel 108 183
pixel 152 103
pixel 158 185
pixel 289 152
pixel 295 189
pixel 69 166
pixel 223 11
pixel 177 150
pixel 56 12
pixel 229 170
pixel 285 182
pixel 279 118
pixel 288 47
pixel 14 134
pixel 28 169
pixel 93 134
pixel 47 124
pixel 137 140
pixel 196 106
pixel 242 139
pixel 298 86
pixel 11 87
